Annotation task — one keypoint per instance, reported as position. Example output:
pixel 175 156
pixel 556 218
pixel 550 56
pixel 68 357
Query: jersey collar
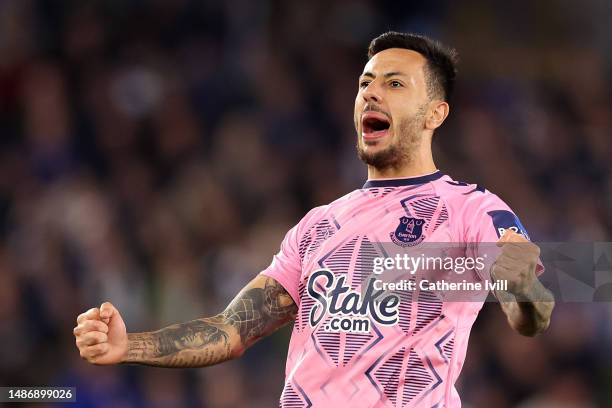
pixel 406 181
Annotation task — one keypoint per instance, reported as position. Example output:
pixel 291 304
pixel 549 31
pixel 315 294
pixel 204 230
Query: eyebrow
pixel 386 75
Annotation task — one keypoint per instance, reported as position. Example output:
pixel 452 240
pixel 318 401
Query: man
pixel 353 343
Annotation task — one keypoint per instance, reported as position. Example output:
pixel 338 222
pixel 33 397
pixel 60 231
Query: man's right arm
pixel 259 309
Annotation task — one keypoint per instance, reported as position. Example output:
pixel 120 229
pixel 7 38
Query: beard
pixel 400 152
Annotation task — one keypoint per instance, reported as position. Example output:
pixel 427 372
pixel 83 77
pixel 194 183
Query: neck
pixel 418 166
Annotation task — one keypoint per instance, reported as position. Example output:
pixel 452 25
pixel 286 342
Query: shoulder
pixel 475 207
pixel 465 196
pixel 323 214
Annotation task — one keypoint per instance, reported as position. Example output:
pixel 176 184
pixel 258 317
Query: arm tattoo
pixel 254 313
pixel 260 311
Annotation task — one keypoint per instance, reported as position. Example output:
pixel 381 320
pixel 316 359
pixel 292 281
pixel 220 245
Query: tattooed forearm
pixel 258 310
pixel 193 344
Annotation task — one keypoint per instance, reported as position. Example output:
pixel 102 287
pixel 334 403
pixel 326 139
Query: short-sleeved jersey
pixel 410 348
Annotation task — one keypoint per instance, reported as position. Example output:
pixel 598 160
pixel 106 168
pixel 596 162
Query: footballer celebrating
pixel 408 347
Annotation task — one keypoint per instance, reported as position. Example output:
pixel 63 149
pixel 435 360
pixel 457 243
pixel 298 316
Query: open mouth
pixel 374 125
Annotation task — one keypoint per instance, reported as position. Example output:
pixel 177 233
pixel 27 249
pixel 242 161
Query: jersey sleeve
pixel 486 221
pixel 286 267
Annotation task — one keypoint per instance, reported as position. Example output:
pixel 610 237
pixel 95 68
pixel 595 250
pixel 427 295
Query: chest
pixel 349 241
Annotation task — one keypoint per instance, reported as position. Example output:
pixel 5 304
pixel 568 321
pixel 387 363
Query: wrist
pixel 135 347
pixel 525 291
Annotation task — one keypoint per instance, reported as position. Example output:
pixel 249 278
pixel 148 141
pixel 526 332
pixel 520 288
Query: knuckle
pixel 97 349
pixel 96 338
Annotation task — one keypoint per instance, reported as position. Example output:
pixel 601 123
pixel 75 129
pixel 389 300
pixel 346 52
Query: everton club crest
pixel 409 232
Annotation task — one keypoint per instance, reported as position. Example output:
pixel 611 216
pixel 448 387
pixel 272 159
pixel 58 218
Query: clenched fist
pixel 101 335
pixel 517 263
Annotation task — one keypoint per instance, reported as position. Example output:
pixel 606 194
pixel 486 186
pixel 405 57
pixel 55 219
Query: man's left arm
pixel 527 303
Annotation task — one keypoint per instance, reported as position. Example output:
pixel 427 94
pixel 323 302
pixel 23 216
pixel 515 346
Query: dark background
pixel 154 153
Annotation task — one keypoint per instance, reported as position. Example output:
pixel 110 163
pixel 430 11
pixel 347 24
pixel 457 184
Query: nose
pixel 371 93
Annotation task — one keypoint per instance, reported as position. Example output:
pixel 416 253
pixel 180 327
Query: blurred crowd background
pixel 154 153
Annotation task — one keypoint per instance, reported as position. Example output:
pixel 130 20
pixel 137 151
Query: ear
pixel 438 111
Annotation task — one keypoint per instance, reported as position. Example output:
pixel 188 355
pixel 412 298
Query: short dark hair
pixel 441 60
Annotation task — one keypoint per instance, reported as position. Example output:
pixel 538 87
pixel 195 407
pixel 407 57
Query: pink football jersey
pixel 353 345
